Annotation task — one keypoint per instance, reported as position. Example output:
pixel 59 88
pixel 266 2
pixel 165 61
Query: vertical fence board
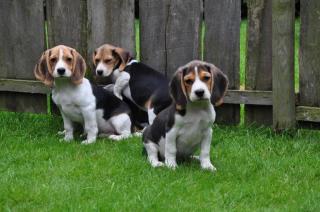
pixel 283 64
pixel 310 53
pixel 22 42
pixel 110 22
pixel 222 48
pixel 67 24
pixel 169 33
pixel 259 58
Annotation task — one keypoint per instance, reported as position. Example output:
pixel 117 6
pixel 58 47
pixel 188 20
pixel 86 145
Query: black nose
pixel 99 72
pixel 61 71
pixel 199 92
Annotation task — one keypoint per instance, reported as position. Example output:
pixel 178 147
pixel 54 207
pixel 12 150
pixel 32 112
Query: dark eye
pixel 206 78
pixel 53 60
pixel 97 61
pixel 107 60
pixel 189 81
pixel 69 59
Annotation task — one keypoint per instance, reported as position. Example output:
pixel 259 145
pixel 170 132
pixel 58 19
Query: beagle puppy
pixel 180 129
pixel 144 86
pixel 63 69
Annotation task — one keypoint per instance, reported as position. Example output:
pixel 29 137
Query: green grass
pixel 257 170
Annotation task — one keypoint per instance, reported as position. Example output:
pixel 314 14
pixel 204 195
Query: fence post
pixel 222 48
pixel 22 42
pixel 169 33
pixel 259 58
pixel 283 64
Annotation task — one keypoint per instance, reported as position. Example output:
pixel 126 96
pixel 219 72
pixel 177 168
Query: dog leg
pixel 152 151
pixel 151 115
pixel 90 123
pixel 121 83
pixel 68 128
pixel 205 152
pixel 171 149
pixel 122 125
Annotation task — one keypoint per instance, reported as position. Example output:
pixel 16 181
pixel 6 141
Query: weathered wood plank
pixel 222 48
pixel 110 22
pixel 283 64
pixel 259 58
pixel 248 97
pixel 23 86
pixel 310 53
pixel 22 42
pixel 67 24
pixel 304 113
pixel 169 33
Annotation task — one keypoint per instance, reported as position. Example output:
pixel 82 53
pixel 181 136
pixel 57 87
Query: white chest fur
pixel 192 127
pixel 73 100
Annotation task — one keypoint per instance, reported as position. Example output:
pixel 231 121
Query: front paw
pixel 68 138
pixel 62 132
pixel 86 142
pixel 207 165
pixel 171 163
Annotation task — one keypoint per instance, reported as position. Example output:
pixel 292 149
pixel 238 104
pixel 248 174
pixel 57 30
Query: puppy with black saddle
pixel 179 130
pixel 137 82
pixel 98 110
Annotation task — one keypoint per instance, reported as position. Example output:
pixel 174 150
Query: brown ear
pixel 220 84
pixel 123 55
pixel 93 56
pixel 79 68
pixel 41 70
pixel 177 89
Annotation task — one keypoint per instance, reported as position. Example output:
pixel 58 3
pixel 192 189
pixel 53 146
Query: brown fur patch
pixel 111 56
pixel 188 81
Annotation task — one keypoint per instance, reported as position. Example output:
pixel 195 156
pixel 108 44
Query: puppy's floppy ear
pixel 219 84
pixel 93 57
pixel 41 70
pixel 78 68
pixel 123 55
pixel 177 89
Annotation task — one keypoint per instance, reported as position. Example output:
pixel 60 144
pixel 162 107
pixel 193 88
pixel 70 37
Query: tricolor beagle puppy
pixel 145 87
pixel 63 68
pixel 180 129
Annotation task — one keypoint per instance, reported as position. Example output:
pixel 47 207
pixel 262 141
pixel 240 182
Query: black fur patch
pixel 146 83
pixel 108 102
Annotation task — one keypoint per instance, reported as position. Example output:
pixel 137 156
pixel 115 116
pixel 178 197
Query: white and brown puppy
pixel 186 125
pixel 63 68
pixel 144 86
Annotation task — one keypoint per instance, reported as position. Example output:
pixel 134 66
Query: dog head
pixel 108 58
pixel 198 81
pixel 60 62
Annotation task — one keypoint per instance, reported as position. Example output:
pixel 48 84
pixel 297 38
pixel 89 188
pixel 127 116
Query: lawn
pixel 257 170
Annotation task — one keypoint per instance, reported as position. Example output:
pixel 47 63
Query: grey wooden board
pixel 22 102
pixel 222 48
pixel 23 86
pixel 283 64
pixel 311 114
pixel 67 24
pixel 310 53
pixel 259 58
pixel 248 97
pixel 110 22
pixel 22 42
pixel 169 33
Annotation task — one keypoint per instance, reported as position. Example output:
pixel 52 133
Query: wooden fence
pixel 170 36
